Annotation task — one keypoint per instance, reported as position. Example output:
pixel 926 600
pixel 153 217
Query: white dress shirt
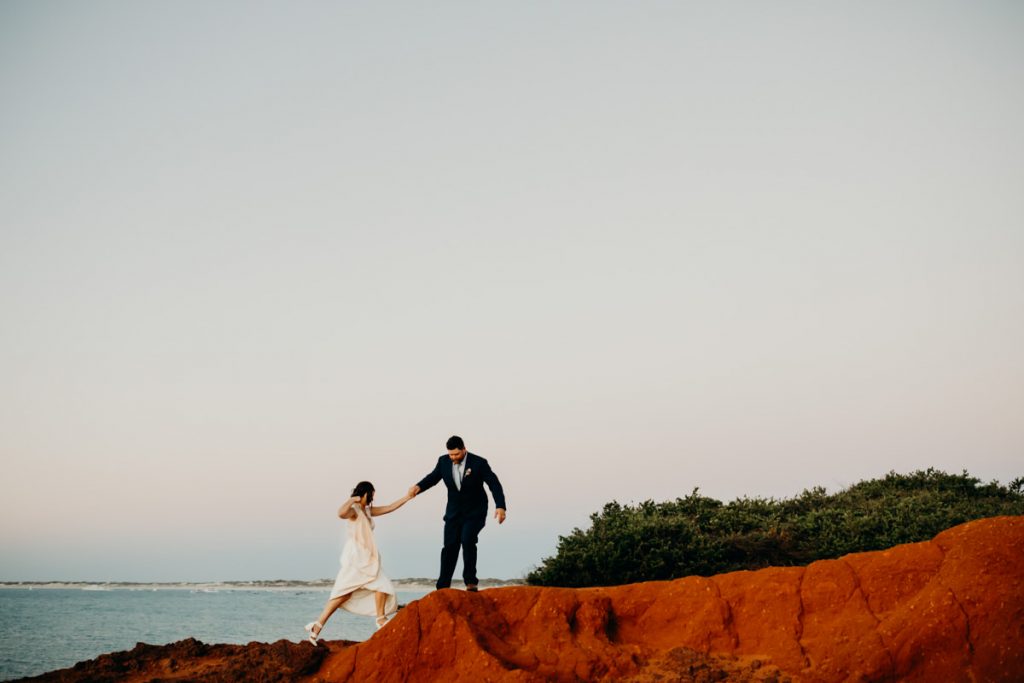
pixel 458 472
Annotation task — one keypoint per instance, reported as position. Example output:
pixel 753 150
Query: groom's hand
pixel 413 490
pixel 499 514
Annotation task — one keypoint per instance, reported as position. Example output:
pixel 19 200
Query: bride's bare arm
pixel 377 511
pixel 346 511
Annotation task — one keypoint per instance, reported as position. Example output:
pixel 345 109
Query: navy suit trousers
pixel 460 532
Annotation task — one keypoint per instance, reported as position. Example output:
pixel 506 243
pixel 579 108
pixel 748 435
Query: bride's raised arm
pixel 346 511
pixel 378 510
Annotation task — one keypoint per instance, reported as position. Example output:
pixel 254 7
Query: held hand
pixel 413 490
pixel 499 514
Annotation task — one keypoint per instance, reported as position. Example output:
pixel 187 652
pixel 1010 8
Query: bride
pixel 361 586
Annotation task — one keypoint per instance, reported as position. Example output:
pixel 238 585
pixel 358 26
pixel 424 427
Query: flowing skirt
pixel 362 577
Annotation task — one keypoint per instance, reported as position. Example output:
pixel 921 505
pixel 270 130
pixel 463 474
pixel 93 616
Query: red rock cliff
pixel 949 609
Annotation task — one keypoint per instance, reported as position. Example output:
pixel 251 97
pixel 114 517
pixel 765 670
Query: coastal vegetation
pixel 700 535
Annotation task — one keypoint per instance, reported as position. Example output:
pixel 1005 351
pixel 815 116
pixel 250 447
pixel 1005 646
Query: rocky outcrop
pixel 944 610
pixel 191 660
pixel 949 609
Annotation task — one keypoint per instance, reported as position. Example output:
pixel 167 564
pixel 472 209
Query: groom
pixel 464 474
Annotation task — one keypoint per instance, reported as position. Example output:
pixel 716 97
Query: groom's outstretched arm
pixel 427 481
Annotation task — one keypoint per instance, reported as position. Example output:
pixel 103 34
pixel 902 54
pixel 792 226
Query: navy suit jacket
pixel 470 500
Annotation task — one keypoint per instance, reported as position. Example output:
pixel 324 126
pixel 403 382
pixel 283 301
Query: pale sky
pixel 253 253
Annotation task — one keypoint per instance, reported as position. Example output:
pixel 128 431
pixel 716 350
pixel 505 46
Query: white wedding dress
pixel 360 572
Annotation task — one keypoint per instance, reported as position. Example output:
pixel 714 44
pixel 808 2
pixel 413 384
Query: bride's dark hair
pixel 364 487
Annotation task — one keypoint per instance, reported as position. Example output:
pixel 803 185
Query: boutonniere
pixel 469 471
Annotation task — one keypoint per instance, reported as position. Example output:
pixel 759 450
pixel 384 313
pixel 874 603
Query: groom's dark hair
pixel 364 487
pixel 455 442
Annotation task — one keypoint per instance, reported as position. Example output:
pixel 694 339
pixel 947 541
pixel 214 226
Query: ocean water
pixel 53 628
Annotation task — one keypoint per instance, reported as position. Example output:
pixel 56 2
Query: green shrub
pixel 700 535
